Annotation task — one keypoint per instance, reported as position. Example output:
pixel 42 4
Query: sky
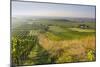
pixel 52 10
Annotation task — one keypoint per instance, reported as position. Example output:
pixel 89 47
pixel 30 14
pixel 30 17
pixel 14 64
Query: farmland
pixel 47 41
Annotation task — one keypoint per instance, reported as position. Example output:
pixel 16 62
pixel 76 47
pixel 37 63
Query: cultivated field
pixel 46 41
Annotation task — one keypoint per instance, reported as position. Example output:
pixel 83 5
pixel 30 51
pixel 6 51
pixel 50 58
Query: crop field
pixel 50 33
pixel 52 41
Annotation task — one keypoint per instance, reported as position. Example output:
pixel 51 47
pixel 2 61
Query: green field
pixel 52 41
pixel 58 33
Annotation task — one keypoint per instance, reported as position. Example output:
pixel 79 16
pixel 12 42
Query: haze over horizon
pixel 51 10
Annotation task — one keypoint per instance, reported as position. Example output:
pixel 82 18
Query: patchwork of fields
pixel 53 41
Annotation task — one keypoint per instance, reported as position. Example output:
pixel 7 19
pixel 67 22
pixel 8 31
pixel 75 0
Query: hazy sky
pixel 51 10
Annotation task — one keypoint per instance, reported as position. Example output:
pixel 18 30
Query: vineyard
pixel 49 33
pixel 22 44
pixel 46 42
pixel 26 49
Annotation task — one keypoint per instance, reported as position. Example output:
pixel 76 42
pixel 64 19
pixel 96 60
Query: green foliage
pixel 26 49
pixel 90 55
pixel 21 48
pixel 64 59
pixel 58 33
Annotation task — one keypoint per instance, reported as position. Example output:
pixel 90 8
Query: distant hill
pixel 67 19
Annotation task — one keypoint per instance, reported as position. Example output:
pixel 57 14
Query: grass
pixel 59 33
pixel 60 43
pixel 69 44
pixel 81 30
pixel 57 29
pixel 70 50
